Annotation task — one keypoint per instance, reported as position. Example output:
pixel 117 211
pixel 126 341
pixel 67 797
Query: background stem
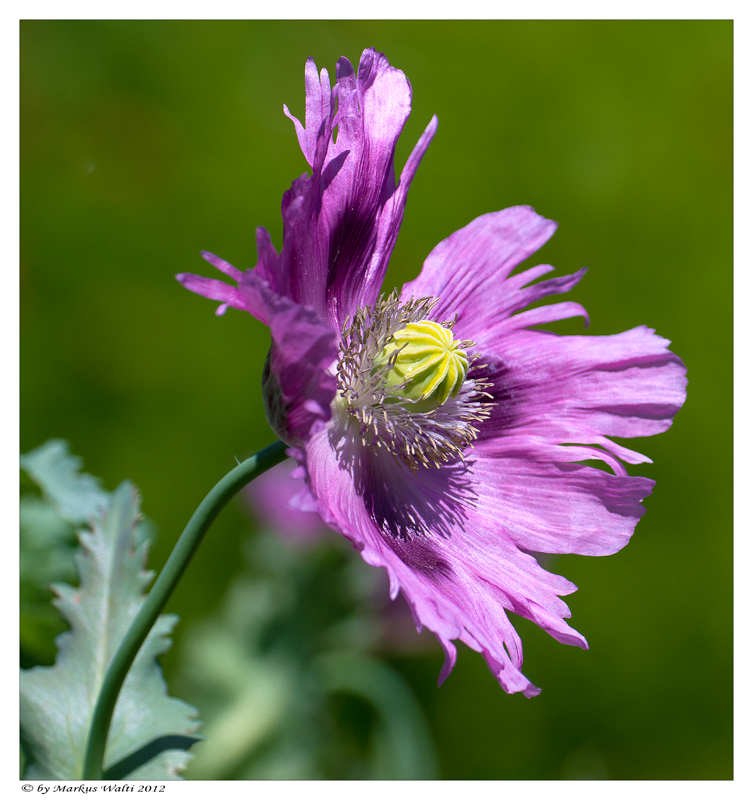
pixel 163 587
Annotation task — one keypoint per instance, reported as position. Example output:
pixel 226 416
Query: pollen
pixel 428 366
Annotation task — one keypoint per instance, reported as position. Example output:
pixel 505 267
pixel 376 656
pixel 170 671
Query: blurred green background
pixel 144 142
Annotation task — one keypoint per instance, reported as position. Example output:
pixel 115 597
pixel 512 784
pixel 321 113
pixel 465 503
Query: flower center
pixel 429 366
pixel 404 386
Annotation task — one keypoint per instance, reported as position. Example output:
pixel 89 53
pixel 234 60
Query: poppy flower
pixel 435 428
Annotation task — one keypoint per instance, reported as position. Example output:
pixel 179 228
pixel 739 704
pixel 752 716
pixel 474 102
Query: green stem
pixel 163 587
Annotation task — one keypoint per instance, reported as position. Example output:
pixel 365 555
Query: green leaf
pixel 77 497
pixel 46 548
pixel 57 702
pixel 47 545
pixel 48 540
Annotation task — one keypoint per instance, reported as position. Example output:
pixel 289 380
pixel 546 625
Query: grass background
pixel 145 142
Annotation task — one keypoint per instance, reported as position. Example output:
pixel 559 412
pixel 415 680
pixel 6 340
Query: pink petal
pixel 297 384
pixel 214 290
pixel 340 224
pixel 460 585
pixel 567 389
pixel 467 270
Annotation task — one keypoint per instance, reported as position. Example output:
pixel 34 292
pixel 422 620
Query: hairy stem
pixel 163 587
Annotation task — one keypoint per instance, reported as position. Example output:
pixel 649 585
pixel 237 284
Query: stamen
pixel 428 416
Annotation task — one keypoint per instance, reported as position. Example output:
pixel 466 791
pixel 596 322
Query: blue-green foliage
pixel 48 540
pixel 149 728
pixel 286 679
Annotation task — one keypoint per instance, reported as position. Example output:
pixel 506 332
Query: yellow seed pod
pixel 430 366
